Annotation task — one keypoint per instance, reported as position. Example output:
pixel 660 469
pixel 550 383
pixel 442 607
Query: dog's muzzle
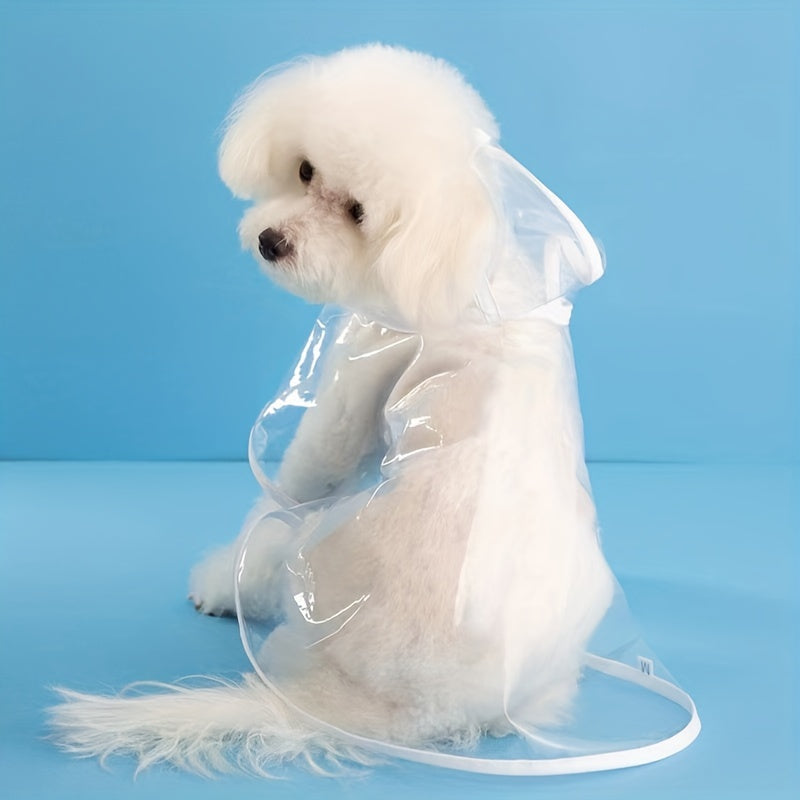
pixel 273 245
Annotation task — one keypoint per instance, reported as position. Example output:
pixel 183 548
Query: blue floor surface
pixel 93 565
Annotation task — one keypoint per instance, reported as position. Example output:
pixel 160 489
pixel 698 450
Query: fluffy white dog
pixel 471 576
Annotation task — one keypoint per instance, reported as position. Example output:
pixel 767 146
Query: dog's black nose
pixel 273 245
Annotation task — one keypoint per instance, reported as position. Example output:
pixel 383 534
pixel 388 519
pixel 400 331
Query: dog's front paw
pixel 211 584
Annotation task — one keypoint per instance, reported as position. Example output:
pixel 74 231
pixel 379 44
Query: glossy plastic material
pixel 401 469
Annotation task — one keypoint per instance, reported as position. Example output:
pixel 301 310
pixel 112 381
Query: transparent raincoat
pixel 427 541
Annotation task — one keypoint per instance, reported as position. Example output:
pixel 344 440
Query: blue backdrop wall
pixel 131 327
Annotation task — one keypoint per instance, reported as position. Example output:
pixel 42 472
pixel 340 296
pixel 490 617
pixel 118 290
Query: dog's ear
pixel 245 150
pixel 436 251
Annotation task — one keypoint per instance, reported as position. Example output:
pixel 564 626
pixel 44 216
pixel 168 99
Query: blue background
pixel 131 326
pixel 133 329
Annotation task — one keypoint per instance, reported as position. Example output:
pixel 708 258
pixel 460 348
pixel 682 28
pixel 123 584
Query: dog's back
pixel 477 559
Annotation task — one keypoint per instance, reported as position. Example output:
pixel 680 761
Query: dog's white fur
pixel 452 629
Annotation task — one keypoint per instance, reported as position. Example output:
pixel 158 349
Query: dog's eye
pixel 306 171
pixel 356 211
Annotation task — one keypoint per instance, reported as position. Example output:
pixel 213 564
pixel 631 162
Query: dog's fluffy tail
pixel 216 728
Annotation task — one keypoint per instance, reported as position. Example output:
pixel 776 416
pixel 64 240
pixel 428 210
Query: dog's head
pixel 359 166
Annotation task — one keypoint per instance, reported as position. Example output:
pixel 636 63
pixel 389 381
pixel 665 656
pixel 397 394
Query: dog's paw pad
pixel 214 609
pixel 211 586
pixel 209 610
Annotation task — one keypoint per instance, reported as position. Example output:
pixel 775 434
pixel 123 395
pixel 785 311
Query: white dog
pixel 456 599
